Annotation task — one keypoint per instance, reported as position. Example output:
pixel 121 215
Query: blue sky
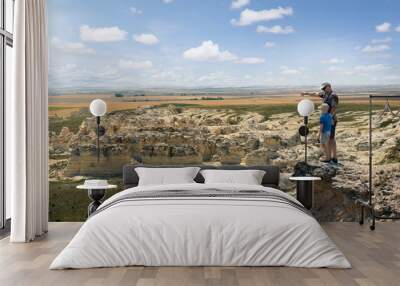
pixel 225 43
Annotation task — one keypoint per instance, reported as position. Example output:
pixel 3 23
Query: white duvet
pixel 200 231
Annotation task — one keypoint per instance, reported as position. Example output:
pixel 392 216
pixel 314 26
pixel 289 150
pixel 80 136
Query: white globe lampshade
pixel 305 107
pixel 98 107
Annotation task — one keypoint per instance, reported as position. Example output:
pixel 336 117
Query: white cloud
pixel 237 4
pixel 275 29
pixel 375 48
pixel 269 45
pixel 398 29
pixel 360 70
pixel 223 79
pixel 72 47
pixel 135 10
pixel 289 71
pixel 382 41
pixel 68 68
pixel 335 69
pixel 214 77
pixel 167 1
pixel 383 28
pixel 72 75
pixel 130 64
pixel 339 71
pixel 208 51
pixel 369 68
pixel 250 61
pixel 333 61
pixel 171 74
pixel 248 17
pixel 106 34
pixel 146 39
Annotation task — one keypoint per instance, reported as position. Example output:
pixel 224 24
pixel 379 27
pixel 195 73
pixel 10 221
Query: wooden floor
pixel 375 257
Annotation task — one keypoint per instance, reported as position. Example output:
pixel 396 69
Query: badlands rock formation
pixel 172 135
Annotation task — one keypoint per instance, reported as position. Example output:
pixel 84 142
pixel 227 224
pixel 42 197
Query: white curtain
pixel 27 124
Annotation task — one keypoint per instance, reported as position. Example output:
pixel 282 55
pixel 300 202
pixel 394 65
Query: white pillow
pixel 248 177
pixel 166 176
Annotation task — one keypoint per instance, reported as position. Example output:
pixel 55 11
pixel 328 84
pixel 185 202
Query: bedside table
pixel 96 194
pixel 305 190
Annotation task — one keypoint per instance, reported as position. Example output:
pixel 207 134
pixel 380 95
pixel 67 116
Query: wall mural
pixel 174 96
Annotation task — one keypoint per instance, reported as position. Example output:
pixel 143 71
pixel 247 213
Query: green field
pixel 72 122
pixel 67 203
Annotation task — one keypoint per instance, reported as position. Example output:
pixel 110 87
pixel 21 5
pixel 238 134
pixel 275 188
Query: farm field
pixel 64 105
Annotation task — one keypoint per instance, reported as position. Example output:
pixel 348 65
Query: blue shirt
pixel 326 121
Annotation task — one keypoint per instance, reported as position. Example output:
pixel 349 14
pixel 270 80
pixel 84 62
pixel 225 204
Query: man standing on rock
pixel 329 97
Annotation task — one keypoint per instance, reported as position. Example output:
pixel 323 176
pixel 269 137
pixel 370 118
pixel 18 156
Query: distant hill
pixel 261 90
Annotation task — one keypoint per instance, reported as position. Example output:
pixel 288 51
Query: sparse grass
pixel 268 110
pixel 55 108
pixel 392 155
pixel 67 203
pixel 59 156
pixel 178 105
pixel 264 110
pixel 72 122
pixel 388 122
pixel 208 98
pixel 313 124
pixel 362 106
pixel 359 107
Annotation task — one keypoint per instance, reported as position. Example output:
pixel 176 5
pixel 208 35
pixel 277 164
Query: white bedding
pixel 248 177
pixel 200 231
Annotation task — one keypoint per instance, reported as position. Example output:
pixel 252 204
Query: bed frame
pixel 270 179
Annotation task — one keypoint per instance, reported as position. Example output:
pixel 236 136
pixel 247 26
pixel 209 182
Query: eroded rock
pixel 172 135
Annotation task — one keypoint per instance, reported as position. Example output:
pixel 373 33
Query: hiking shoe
pixel 334 160
pixel 325 161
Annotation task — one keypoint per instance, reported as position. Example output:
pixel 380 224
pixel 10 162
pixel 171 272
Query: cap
pixel 324 85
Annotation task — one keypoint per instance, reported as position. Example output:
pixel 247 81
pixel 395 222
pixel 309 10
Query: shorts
pixel 325 137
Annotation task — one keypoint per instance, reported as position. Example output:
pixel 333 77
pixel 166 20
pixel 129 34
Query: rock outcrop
pixel 174 135
pixel 329 201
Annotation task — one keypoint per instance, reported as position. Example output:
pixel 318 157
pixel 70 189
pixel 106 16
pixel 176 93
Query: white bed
pixel 201 231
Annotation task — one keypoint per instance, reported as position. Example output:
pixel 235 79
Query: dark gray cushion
pixel 270 179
